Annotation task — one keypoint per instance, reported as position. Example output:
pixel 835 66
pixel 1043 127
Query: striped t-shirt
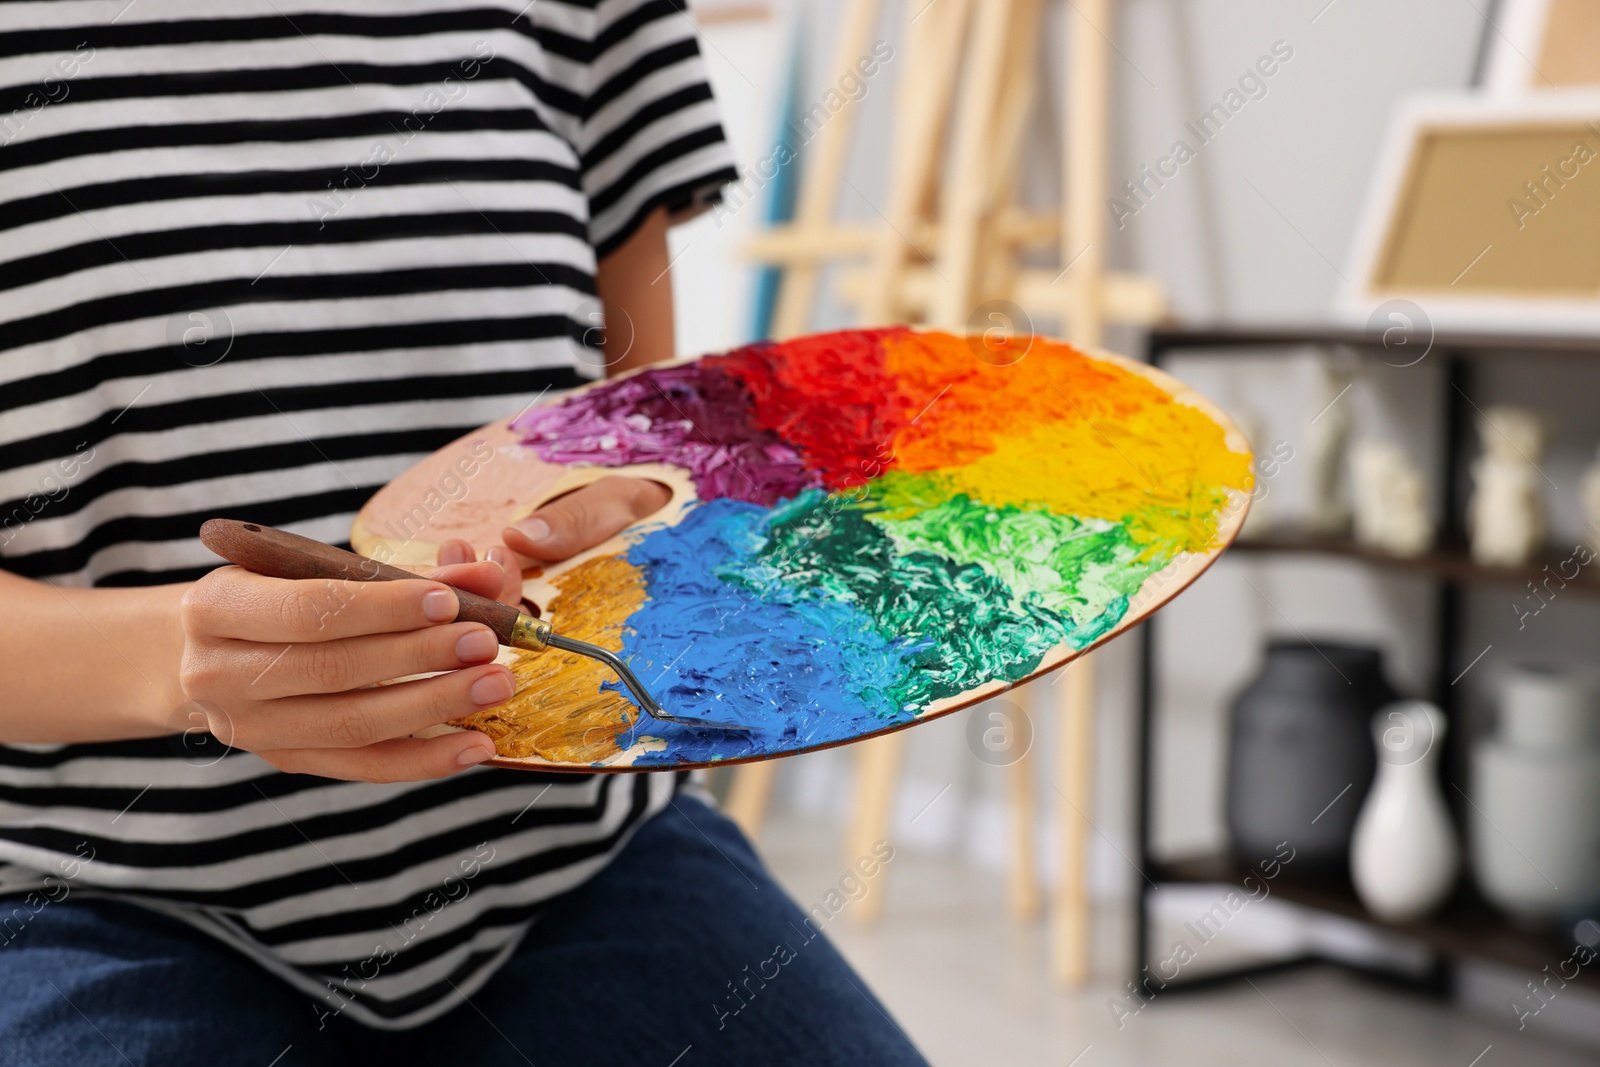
pixel 257 257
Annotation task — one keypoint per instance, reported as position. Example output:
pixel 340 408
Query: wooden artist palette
pixel 869 529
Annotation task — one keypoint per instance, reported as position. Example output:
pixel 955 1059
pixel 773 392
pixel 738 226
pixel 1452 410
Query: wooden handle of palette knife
pixel 279 554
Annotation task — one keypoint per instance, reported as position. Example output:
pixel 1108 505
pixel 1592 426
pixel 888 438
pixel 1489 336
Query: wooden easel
pixel 939 251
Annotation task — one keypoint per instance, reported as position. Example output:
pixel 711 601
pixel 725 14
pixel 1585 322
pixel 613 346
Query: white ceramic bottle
pixel 1534 826
pixel 1404 856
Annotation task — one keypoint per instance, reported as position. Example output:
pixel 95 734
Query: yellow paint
pixel 559 712
pixel 1058 430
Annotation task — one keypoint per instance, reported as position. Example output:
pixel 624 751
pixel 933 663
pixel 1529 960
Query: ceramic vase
pixel 1404 857
pixel 1299 761
pixel 1535 816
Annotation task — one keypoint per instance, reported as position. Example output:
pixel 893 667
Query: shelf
pixel 1450 563
pixel 1167 339
pixel 1466 927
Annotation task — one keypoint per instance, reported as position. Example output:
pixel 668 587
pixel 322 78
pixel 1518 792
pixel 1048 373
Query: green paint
pixel 1084 569
pixel 959 623
pixel 898 494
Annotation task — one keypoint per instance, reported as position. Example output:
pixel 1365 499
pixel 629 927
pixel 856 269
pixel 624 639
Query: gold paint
pixel 559 712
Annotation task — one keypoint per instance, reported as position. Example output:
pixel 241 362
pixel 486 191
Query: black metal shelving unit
pixel 1466 927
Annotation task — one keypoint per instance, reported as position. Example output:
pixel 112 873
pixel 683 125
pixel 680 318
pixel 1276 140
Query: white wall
pixel 1272 252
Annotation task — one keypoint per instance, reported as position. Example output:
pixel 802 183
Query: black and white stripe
pixel 375 223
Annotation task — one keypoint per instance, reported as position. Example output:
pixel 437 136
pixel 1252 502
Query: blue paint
pixel 773 657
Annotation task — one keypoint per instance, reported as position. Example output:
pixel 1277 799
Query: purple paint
pixel 695 416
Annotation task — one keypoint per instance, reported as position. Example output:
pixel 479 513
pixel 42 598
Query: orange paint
pixel 1061 431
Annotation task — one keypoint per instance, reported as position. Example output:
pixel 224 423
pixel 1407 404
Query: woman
pixel 256 259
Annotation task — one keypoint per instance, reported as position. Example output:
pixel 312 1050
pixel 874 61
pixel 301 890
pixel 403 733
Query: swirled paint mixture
pixel 886 518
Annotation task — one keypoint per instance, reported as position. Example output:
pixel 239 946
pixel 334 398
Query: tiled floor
pixel 968 984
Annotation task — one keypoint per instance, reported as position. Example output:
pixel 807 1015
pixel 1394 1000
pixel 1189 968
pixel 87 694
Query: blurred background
pixel 1371 233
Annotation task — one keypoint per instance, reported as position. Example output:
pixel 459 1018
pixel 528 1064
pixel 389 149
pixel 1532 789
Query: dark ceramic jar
pixel 1300 756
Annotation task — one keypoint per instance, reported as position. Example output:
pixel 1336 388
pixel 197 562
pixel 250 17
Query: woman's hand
pixel 583 518
pixel 282 668
pixel 289 669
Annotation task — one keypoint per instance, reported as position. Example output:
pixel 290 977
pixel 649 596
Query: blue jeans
pixel 635 967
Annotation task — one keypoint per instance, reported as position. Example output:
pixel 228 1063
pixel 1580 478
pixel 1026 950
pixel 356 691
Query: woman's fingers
pixel 511 567
pixel 288 669
pixel 485 578
pixel 231 602
pixel 334 666
pixel 455 551
pixel 367 716
pixel 502 581
pixel 403 759
pixel 584 518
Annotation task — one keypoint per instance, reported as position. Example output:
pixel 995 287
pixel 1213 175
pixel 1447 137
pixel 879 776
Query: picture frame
pixel 1442 230
pixel 1542 45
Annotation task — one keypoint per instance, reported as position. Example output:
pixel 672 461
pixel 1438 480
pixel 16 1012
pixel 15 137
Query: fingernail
pixel 502 555
pixel 493 688
pixel 534 529
pixel 439 605
pixel 473 755
pixel 452 553
pixel 477 646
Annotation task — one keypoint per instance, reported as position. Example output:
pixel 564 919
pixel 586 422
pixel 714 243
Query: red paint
pixel 831 398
